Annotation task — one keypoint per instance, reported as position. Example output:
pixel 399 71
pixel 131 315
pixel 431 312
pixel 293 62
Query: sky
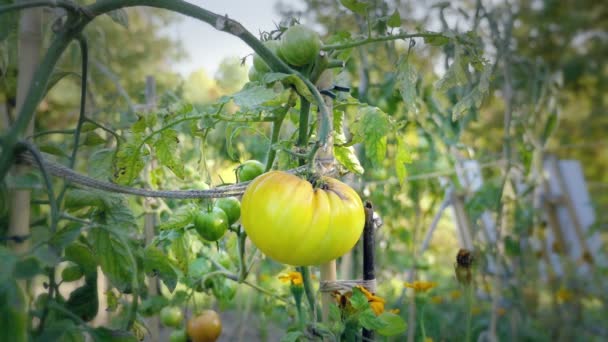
pixel 205 46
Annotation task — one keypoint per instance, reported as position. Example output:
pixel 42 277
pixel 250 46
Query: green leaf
pixel 394 20
pixel 71 273
pixel 370 321
pixel 52 148
pixel 180 218
pixel 339 135
pixel 93 139
pixel 549 128
pixel 78 198
pixel 290 80
pixel 251 97
pixel 402 157
pixel 103 334
pixel 111 300
pixel 153 304
pixel 346 157
pixel 129 160
pixel 198 268
pixel 165 147
pixel 292 336
pixel 406 83
pixel 436 40
pixel 13 312
pixel 83 301
pixel 65 236
pixel 27 268
pixel 456 75
pixel 113 257
pixel 100 164
pixel 120 16
pixel 82 255
pixel 358 300
pixel 157 263
pixel 395 325
pixel 64 330
pixel 372 128
pixel 474 98
pixel 356 6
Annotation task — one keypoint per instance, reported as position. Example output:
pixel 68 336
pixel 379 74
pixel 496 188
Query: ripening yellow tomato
pixel 295 223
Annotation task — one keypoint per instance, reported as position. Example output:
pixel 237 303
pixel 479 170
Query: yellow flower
pixel 295 278
pixel 394 311
pixel 428 339
pixel 436 299
pixel 564 295
pixel 375 302
pixel 455 294
pixel 421 286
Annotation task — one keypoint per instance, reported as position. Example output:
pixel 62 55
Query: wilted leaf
pixel 165 147
pixel 372 128
pixel 406 83
pixel 346 157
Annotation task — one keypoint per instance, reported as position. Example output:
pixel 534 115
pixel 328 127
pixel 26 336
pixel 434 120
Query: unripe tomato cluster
pixel 211 223
pixel 204 327
pixel 298 46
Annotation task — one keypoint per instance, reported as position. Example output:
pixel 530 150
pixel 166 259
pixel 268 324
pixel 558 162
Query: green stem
pixel 272 153
pixel 303 125
pixel 310 297
pixel 469 299
pixel 241 240
pixel 380 39
pixel 34 95
pixel 56 131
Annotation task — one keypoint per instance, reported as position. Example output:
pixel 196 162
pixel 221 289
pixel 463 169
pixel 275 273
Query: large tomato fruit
pixel 300 45
pixel 205 327
pixel 296 224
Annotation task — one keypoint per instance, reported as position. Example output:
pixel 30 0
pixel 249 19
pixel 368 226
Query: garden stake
pixel 368 256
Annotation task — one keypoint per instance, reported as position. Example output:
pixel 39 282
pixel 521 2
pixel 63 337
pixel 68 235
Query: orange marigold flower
pixel 421 286
pixel 436 299
pixel 455 294
pixel 295 278
pixel 564 295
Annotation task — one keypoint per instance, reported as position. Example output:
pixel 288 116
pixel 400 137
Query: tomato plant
pixel 205 327
pixel 212 224
pixel 178 336
pixel 258 63
pixel 299 223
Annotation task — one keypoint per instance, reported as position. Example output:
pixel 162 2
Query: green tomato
pixel 249 170
pixel 254 75
pixel 300 45
pixel 231 206
pixel 178 336
pixel 171 316
pixel 211 225
pixel 258 62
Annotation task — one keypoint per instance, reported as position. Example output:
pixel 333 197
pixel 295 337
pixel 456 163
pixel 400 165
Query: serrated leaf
pixel 394 20
pixel 100 164
pixel 180 218
pixel 339 135
pixel 157 263
pixel 346 157
pixel 402 157
pixel 253 96
pixel 372 128
pixel 120 16
pixel 395 325
pixel 356 6
pixel 474 98
pixel 65 236
pixel 358 300
pixel 407 77
pixel 129 160
pixel 370 321
pixel 113 257
pixel 165 147
pixel 456 75
pixel 83 301
pixel 81 255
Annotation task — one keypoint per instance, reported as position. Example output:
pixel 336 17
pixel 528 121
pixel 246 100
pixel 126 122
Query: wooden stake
pixel 328 273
